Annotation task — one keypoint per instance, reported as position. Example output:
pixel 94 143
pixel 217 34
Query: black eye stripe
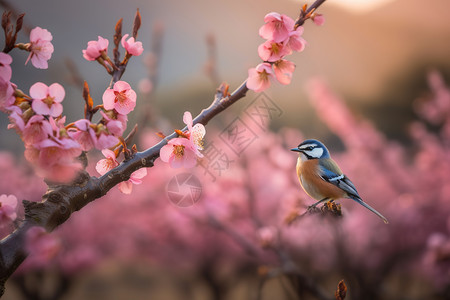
pixel 308 148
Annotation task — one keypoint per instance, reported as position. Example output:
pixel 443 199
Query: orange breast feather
pixel 314 185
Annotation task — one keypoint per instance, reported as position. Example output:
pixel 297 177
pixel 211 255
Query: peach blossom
pixel 47 99
pixel 41 48
pixel 121 98
pixel 259 78
pixel 179 152
pixel 133 47
pixel 271 51
pixel 95 48
pixel 283 71
pixel 277 27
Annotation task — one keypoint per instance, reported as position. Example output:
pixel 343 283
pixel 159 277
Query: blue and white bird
pixel 322 179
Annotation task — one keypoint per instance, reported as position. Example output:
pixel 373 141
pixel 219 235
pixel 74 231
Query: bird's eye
pixel 309 148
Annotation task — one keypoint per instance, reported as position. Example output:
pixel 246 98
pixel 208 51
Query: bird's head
pixel 312 149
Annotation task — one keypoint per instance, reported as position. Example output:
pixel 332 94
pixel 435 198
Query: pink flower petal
pixel 104 165
pixel 40 34
pixel 124 107
pixel 56 110
pixel 108 99
pixel 166 152
pixel 190 159
pixel 259 78
pixel 39 90
pixel 121 86
pixel 175 162
pixel 283 71
pixel 102 43
pixel 40 107
pixel 57 92
pixel 137 175
pixel 5 59
pixel 109 154
pixel 187 119
pixel 126 187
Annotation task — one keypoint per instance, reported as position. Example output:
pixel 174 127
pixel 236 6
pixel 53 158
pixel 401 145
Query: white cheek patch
pixel 316 152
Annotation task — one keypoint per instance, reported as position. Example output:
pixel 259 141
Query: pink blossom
pixel 126 187
pixel 196 133
pixel 179 152
pixel 8 205
pixel 53 151
pixel 318 19
pixel 104 139
pixel 36 130
pixel 16 120
pixel 54 157
pixel 259 78
pixel 295 41
pixel 41 48
pixel 5 68
pixel 85 135
pixel 133 47
pixel 47 99
pixel 271 51
pixel 6 94
pixel 92 135
pixel 95 48
pixel 116 123
pixel 283 71
pixel 277 27
pixel 121 98
pixel 108 163
pixel 63 171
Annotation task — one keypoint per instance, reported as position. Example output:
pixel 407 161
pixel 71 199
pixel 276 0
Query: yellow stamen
pixel 178 150
pixel 49 101
pixel 275 48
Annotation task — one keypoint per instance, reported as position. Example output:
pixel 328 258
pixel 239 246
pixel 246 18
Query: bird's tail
pixel 360 201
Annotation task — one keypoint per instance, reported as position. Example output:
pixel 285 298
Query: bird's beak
pixel 295 149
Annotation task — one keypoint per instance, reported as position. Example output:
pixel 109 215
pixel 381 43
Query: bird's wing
pixel 330 172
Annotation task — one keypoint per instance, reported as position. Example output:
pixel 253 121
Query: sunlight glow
pixel 358 6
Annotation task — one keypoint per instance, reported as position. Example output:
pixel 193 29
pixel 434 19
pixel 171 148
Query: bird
pixel 322 179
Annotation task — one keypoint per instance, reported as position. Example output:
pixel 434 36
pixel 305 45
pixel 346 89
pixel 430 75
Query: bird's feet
pixel 332 208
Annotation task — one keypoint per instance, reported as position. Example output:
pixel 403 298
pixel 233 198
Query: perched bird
pixel 321 178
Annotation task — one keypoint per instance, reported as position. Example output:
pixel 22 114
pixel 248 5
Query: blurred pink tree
pixel 251 216
pixel 240 221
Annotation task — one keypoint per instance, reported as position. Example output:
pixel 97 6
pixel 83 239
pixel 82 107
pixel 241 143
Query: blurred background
pixel 377 61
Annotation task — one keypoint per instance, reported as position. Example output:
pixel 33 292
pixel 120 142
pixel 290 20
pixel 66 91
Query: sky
pixel 360 6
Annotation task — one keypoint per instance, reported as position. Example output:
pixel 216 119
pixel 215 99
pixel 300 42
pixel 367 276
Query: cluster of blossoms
pixel 184 150
pixel 51 145
pixel 97 50
pixel 283 36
